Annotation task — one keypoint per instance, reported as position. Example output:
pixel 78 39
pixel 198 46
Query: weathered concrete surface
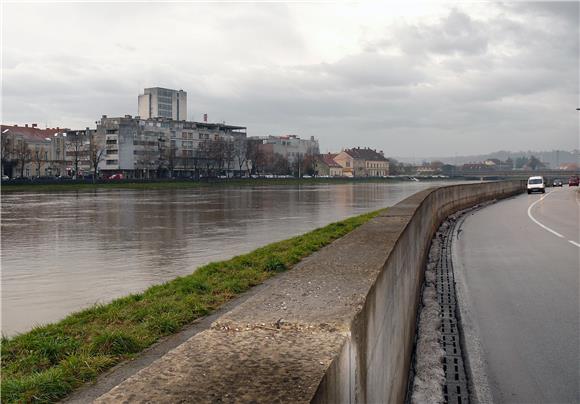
pixel 339 327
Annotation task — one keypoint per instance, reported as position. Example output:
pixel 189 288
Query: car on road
pixel 557 183
pixel 118 176
pixel 573 181
pixel 536 184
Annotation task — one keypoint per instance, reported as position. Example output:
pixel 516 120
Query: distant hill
pixel 552 158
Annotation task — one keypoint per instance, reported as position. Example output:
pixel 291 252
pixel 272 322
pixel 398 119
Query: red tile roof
pixel 328 159
pixel 31 133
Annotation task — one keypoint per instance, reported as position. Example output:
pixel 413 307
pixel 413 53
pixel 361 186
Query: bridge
pixel 511 174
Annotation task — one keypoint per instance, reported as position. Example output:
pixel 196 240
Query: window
pixel 112 162
pixel 111 131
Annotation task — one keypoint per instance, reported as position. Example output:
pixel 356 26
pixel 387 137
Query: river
pixel 65 251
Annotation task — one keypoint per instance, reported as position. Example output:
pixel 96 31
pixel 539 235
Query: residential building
pixel 357 162
pixel 283 155
pixel 157 102
pixel 291 147
pixel 158 147
pixel 28 151
pixel 498 165
pixel 326 166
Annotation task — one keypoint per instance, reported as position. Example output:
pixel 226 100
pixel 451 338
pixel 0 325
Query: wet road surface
pixel 519 260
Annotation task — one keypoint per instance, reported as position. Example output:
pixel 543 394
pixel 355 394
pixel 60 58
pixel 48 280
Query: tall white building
pixel 157 102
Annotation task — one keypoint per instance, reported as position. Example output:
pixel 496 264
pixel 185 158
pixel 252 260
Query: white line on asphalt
pixel 538 223
pixel 575 243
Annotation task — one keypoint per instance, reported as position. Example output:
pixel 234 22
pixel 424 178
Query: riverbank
pixel 47 363
pixel 178 184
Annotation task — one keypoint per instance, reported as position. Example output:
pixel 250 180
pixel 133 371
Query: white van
pixel 536 184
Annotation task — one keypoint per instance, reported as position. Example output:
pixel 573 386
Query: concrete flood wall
pixel 337 328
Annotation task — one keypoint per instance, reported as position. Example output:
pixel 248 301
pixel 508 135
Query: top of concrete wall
pixel 278 345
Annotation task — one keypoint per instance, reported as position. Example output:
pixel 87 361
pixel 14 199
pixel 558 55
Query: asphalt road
pixel 518 263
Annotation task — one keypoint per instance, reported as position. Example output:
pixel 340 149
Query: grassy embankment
pixel 47 363
pixel 72 186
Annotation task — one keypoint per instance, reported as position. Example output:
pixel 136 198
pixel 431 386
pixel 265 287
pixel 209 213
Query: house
pixel 358 162
pixel 326 166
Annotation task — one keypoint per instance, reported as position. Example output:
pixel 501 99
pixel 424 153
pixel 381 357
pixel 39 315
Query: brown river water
pixel 65 251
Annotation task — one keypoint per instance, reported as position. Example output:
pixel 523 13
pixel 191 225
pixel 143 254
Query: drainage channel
pixel 455 387
pixel 438 371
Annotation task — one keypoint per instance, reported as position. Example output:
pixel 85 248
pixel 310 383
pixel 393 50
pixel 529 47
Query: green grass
pixel 47 363
pixel 40 187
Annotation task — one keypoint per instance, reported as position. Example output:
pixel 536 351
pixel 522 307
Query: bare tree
pixel 171 157
pixel 149 154
pixel 310 161
pixel 218 155
pixel 255 155
pixel 8 155
pixel 534 163
pixel 203 155
pixel 96 153
pixel 194 156
pixel 229 154
pixel 75 148
pixel 240 152
pixel 22 155
pixel 39 156
pixel 278 165
pixel 162 162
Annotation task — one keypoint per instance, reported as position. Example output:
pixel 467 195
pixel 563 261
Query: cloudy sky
pixel 412 79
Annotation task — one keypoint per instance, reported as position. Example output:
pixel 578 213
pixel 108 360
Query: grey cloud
pixel 567 12
pixel 463 83
pixel 456 34
pixel 372 69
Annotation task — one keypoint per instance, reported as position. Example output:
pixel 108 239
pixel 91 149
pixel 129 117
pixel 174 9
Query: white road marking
pixel 544 226
pixel 538 223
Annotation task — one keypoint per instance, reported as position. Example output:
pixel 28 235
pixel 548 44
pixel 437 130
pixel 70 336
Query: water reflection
pixel 65 251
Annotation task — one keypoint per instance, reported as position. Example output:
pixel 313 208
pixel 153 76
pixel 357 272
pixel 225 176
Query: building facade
pixel 357 162
pixel 28 151
pixel 157 102
pixel 160 147
pixel 291 147
pixel 326 166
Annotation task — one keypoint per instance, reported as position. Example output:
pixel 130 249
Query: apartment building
pixel 291 147
pixel 158 147
pixel 157 102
